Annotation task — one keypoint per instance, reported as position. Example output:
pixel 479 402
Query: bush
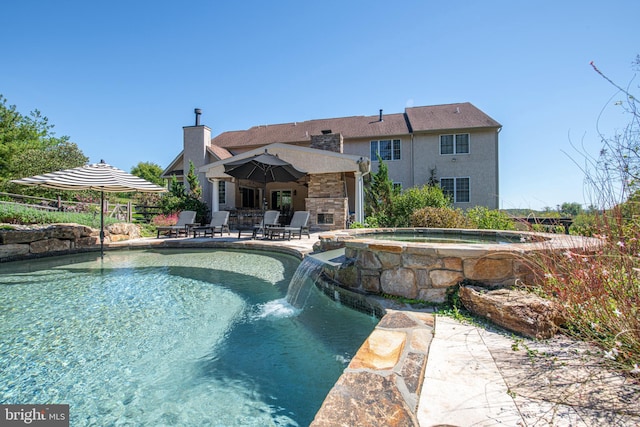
pixel 438 218
pixel 178 200
pixel 489 219
pixel 599 288
pixel 164 220
pixel 414 198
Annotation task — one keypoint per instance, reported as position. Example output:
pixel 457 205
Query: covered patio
pixel 332 189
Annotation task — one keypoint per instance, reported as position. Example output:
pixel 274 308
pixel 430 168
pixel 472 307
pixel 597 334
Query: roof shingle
pixel 438 117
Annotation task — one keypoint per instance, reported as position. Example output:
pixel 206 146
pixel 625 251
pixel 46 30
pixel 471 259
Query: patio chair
pixel 185 219
pixel 270 219
pixel 219 223
pixel 299 224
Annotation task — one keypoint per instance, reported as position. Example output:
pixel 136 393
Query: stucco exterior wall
pixel 422 154
pixel 480 165
pixel 196 141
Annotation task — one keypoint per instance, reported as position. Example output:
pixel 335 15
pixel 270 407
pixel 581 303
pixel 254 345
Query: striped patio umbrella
pixel 98 176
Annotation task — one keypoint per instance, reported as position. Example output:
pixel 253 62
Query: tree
pixel 194 183
pixel 19 133
pixel 36 161
pixel 379 193
pixel 149 171
pixel 571 209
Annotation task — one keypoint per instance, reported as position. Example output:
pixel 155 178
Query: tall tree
pixel 195 189
pixel 19 133
pixel 379 193
pixel 150 171
pixel 28 146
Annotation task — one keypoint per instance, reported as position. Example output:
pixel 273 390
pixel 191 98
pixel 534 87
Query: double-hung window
pixel 456 188
pixel 387 149
pixel 454 144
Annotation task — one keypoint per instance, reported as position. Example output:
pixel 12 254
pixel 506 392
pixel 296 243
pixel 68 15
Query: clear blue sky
pixel 122 78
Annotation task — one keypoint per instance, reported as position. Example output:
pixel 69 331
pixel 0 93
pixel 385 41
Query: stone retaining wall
pixel 426 270
pixel 23 242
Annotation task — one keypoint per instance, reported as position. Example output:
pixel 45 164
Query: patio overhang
pixel 310 160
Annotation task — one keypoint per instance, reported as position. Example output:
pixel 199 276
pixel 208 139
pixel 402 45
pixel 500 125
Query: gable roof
pixel 300 132
pixel 450 116
pixel 414 119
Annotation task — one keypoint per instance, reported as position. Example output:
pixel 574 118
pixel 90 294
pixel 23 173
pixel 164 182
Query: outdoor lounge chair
pixel 219 223
pixel 185 219
pixel 299 224
pixel 270 219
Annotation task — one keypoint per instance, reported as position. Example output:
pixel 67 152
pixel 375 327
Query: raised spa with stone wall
pixel 424 268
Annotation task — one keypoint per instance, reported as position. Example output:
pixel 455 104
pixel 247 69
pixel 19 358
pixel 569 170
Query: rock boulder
pixel 515 310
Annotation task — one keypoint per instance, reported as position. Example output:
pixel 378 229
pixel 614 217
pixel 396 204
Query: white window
pixel 456 188
pixel 454 144
pixel 387 149
pixel 222 192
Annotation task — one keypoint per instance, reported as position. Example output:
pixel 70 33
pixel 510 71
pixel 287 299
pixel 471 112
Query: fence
pixel 120 211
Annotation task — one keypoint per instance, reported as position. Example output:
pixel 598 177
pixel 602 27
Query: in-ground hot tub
pixel 422 263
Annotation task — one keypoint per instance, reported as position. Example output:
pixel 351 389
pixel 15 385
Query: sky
pixel 121 78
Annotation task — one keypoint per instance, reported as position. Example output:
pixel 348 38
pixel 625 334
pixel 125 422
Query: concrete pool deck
pixel 422 369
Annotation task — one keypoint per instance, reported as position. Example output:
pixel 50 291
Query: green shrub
pixel 177 200
pixel 414 198
pixel 489 219
pixel 438 218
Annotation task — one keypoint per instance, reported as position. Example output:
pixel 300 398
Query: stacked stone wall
pixel 327 197
pixel 56 239
pixel 328 142
pixel 426 273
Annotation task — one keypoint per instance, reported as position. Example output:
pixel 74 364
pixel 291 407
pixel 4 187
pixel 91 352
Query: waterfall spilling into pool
pixel 298 292
pixel 303 281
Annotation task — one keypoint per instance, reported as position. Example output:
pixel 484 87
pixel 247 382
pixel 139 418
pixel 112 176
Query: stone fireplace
pixel 327 200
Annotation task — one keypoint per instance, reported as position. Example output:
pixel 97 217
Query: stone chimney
pixel 328 141
pixel 327 201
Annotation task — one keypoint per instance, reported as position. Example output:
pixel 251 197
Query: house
pixel 455 145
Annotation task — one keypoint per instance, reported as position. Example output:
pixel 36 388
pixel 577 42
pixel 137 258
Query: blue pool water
pixel 171 338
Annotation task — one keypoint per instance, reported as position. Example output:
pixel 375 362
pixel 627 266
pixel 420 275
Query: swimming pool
pixel 199 337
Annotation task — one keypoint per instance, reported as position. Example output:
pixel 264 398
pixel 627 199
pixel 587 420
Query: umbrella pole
pixel 102 224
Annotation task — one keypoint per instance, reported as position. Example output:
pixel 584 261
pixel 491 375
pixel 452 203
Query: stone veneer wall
pixel 57 239
pixel 329 142
pixel 425 273
pixel 327 196
pixel 327 193
pixel 427 270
